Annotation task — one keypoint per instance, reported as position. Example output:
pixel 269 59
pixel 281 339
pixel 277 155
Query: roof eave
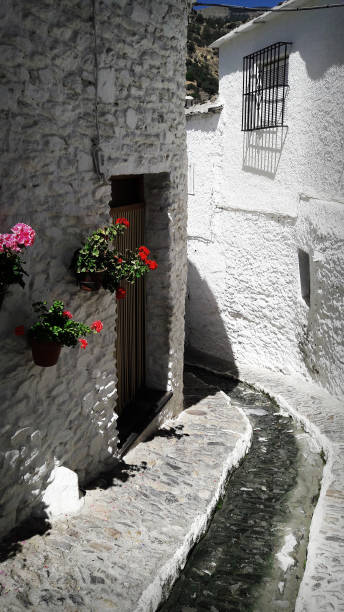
pixel 249 25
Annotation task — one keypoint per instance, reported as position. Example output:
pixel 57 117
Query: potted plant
pixel 55 328
pixel 90 261
pixel 11 246
pixel 98 263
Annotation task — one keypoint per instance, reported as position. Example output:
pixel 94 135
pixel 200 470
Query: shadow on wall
pixel 318 56
pixel 262 150
pixel 207 342
pixel 59 427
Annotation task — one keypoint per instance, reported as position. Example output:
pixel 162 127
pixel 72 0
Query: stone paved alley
pixel 137 525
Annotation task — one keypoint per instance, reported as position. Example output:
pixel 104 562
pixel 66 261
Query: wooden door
pixel 130 342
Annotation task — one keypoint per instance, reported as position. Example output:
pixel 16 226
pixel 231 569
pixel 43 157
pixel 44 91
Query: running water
pixel 253 555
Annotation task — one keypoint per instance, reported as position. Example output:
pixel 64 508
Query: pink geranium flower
pixel 24 234
pixel 10 242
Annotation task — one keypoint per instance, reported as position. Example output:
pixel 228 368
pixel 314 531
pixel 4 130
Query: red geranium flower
pixel 20 330
pixel 67 314
pixel 143 256
pixel 83 343
pixel 120 293
pixel 152 265
pixel 143 249
pixel 119 259
pixel 97 326
pixel 122 221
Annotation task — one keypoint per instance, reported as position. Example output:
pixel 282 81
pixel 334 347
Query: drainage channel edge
pixel 322 416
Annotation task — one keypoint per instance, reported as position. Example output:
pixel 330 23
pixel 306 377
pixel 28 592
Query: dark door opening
pixel 136 405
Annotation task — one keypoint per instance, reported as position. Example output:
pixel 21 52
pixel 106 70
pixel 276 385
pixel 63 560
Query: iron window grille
pixel 265 85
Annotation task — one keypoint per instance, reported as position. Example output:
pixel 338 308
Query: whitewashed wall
pixel 65 414
pixel 267 195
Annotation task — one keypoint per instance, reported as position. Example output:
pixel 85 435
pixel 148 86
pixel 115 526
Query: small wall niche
pixel 305 276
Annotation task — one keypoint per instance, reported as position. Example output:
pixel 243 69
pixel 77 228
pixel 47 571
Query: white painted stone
pixel 48 181
pixel 140 14
pixel 261 196
pixel 62 495
pixel 131 118
pixel 106 85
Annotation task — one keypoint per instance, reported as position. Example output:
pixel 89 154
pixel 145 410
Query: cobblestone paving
pixel 138 524
pixel 253 555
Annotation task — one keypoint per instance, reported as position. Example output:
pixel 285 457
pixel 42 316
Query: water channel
pixel 253 555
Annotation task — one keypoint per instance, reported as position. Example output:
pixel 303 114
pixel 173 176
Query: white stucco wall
pixel 64 415
pixel 271 193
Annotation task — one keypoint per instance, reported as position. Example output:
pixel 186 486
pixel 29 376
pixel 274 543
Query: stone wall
pixel 262 197
pixel 64 415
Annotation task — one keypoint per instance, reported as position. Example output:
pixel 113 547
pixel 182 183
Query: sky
pixel 250 3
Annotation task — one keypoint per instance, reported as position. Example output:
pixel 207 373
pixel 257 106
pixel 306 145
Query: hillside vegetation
pixel 202 73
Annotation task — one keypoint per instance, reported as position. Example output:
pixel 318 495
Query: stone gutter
pixel 322 416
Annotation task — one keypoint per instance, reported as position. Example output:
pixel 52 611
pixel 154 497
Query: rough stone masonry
pixel 49 90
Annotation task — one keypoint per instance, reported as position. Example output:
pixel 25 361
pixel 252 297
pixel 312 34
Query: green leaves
pixel 11 269
pixel 55 326
pixel 99 254
pixel 93 254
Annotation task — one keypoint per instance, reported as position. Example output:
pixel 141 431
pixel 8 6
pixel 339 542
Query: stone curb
pixel 159 589
pixel 322 416
pixel 127 546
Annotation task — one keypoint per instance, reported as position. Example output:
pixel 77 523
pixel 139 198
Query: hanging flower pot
pixel 90 281
pixel 45 354
pixel 55 328
pixel 99 263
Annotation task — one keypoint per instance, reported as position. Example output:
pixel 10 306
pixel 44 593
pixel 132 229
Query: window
pixel 265 85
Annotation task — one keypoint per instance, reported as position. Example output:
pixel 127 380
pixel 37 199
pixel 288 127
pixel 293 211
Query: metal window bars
pixel 265 85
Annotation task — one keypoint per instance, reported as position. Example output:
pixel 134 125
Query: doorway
pixel 127 200
pixel 138 403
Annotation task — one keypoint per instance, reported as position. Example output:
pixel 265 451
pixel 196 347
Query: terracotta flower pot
pixel 45 354
pixel 91 281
